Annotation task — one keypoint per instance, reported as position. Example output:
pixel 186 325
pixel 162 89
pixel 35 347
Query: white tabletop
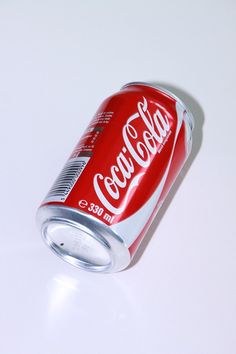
pixel 58 61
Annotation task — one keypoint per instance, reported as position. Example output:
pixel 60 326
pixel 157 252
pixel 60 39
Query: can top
pixel 167 92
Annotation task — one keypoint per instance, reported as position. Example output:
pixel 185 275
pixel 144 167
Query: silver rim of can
pixel 82 240
pixel 169 93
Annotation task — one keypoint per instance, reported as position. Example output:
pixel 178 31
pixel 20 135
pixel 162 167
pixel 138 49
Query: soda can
pixel 101 205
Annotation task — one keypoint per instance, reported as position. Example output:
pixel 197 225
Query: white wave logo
pixel 133 150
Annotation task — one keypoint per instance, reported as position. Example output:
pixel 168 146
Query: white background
pixel 58 61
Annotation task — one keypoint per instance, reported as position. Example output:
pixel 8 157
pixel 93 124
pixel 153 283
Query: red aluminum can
pixel 113 184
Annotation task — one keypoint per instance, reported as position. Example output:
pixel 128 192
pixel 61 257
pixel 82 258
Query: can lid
pixel 169 93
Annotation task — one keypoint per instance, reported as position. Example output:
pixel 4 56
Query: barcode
pixel 67 179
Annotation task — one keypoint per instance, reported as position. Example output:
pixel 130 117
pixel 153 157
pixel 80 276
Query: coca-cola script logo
pixel 138 148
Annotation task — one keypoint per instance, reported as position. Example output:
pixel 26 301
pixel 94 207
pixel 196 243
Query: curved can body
pixel 116 179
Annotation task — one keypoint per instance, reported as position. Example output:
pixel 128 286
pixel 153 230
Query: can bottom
pixel 75 245
pixel 81 240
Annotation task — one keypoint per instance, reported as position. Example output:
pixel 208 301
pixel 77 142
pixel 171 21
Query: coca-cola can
pixel 116 179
